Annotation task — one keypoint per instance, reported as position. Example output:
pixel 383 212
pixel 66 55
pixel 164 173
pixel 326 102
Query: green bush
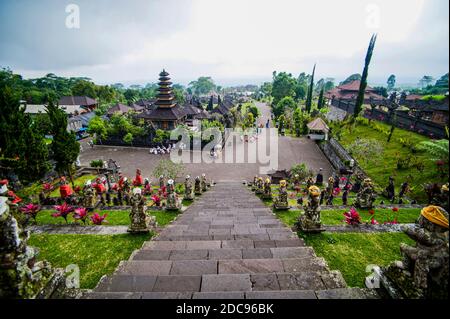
pixel 97 163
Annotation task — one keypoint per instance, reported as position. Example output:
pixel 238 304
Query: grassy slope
pixel 96 255
pixel 351 253
pixel 387 166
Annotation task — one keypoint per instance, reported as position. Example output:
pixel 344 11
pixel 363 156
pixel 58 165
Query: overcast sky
pixel 233 41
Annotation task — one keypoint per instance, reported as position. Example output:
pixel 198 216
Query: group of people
pixel 162 150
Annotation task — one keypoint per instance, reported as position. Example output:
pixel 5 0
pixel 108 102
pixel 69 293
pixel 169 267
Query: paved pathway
pixel 226 245
pixel 290 151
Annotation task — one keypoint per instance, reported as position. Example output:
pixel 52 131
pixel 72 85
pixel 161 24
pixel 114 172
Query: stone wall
pixel 338 156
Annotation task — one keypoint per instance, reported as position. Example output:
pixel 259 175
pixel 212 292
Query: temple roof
pixel 164 113
pixel 318 125
pixel 118 107
pixel 350 90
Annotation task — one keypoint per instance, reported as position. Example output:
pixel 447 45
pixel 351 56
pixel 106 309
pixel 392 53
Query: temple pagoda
pixel 166 113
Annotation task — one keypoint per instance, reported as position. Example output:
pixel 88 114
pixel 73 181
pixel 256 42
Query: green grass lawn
pixel 336 217
pixel 351 253
pixel 80 181
pixel 95 255
pixel 387 166
pixel 114 217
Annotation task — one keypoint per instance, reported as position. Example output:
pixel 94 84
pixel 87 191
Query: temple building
pixel 349 92
pixel 165 114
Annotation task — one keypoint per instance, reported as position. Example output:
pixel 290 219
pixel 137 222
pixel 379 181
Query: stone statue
pixel 188 194
pixel 267 189
pixel 126 191
pixel 197 186
pixel 281 202
pixel 140 222
pixel 404 188
pixel 172 197
pixel 259 186
pixel 319 178
pixel 147 187
pixel 296 183
pixel 161 181
pixel 424 271
pixel 366 195
pixel 358 181
pixel 309 182
pixel 310 221
pixel 204 183
pixel 389 191
pixel 255 183
pixel 21 275
pixel 329 191
pixel 89 201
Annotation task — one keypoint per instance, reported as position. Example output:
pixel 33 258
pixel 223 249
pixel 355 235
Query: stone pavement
pixel 226 245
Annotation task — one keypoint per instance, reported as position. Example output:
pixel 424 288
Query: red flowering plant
pixel 63 211
pixel 156 200
pixel 81 214
pixel 336 191
pixel 373 221
pixel 96 219
pixel 393 219
pixel 352 217
pixel 31 210
pixel 77 189
pixel 162 192
pixel 47 187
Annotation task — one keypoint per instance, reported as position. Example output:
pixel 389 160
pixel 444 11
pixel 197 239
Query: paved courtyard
pixel 290 151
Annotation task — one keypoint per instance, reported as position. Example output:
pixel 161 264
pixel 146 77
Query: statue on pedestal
pixel 309 182
pixel 140 221
pixel 88 200
pixel 424 271
pixel 188 194
pixel 259 186
pixel 310 221
pixel 366 195
pixel 204 183
pixel 296 183
pixel 255 183
pixel 138 180
pixel 172 198
pixel 21 275
pixel 161 182
pixel 197 186
pixel 267 189
pixel 281 202
pixel 389 191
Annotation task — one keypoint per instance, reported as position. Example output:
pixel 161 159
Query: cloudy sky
pixel 233 41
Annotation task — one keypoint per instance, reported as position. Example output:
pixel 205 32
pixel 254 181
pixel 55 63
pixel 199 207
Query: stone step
pixel 217 244
pixel 220 266
pixel 222 253
pixel 307 280
pixel 341 293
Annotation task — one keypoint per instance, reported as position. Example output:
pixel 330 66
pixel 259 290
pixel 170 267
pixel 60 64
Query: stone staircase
pixel 226 245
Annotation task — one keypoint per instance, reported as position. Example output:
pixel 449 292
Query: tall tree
pixel 362 87
pixel 64 145
pixel 310 92
pixel 210 105
pixel 321 101
pixel 391 82
pixel 426 80
pixel 283 85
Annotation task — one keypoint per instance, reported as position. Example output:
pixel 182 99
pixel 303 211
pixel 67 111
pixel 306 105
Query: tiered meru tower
pixel 166 114
pixel 165 98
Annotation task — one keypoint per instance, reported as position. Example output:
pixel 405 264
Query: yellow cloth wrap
pixel 314 190
pixel 435 215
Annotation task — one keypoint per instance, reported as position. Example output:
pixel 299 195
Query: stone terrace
pixel 226 245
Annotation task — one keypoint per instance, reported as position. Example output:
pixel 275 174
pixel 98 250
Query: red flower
pixel 63 211
pixel 352 217
pixel 371 211
pixel 395 209
pixel 31 210
pixel 336 191
pixel 81 214
pixel 77 189
pixel 374 222
pixel 96 219
pixel 47 187
pixel 156 200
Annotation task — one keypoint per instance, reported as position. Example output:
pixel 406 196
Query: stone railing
pixel 339 157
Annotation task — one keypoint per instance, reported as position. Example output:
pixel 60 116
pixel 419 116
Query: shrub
pixel 302 170
pixel 352 217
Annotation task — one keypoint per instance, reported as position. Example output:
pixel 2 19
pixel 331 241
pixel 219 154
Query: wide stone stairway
pixel 227 244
